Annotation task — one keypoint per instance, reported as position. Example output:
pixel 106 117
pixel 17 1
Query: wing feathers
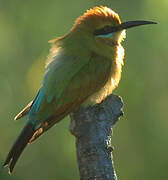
pixel 88 79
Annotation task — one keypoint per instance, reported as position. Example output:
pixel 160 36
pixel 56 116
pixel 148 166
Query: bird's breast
pixel 113 78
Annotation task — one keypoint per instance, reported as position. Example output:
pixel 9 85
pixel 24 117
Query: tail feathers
pixel 18 147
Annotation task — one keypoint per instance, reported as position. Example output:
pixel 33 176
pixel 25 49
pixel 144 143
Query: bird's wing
pixel 66 85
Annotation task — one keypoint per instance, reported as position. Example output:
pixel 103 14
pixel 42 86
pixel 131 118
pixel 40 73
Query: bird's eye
pixel 105 30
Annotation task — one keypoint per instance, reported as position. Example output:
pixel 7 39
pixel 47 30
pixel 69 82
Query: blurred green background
pixel 140 138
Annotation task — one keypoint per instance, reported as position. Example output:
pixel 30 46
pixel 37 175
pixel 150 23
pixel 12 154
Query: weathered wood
pixel 92 128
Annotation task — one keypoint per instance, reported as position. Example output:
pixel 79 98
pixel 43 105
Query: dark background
pixel 140 137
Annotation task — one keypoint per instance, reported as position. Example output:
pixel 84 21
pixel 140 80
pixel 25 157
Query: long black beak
pixel 130 24
pixel 122 26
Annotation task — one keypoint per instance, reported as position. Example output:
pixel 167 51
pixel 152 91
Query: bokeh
pixel 140 138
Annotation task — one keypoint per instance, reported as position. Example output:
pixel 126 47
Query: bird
pixel 83 67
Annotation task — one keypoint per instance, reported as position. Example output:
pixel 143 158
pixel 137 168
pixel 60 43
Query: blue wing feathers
pixel 37 102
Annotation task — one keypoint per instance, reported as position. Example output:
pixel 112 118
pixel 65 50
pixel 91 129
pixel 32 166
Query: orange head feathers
pixel 97 18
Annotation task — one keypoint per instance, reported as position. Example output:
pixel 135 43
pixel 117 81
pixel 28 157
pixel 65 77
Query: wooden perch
pixel 92 128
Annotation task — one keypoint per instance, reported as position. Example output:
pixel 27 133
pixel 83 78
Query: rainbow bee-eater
pixel 83 67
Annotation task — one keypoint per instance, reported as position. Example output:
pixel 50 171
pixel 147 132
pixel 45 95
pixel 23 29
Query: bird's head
pixel 103 27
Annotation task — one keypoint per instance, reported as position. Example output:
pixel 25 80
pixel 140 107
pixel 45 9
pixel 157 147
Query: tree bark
pixel 92 128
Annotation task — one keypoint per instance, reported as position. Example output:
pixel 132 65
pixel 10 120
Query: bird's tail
pixel 18 147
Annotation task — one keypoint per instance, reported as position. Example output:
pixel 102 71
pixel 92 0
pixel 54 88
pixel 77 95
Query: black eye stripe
pixel 106 30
